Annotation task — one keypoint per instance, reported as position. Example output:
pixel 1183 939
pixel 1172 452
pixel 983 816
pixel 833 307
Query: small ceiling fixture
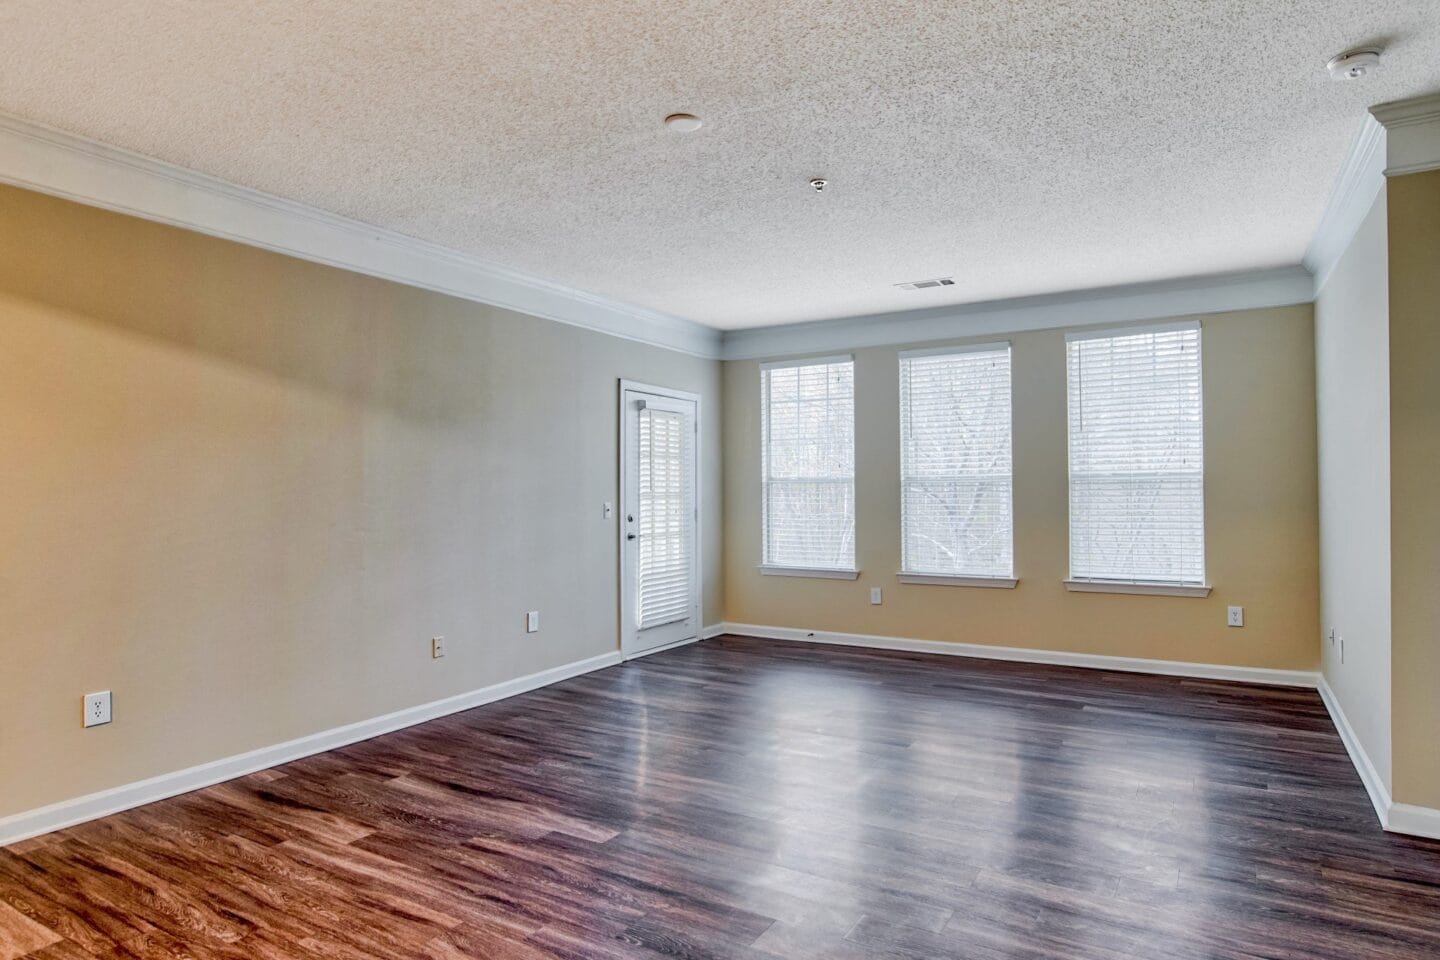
pixel 819 183
pixel 683 122
pixel 1354 64
pixel 927 284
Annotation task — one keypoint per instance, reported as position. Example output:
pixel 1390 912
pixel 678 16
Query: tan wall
pixel 1414 234
pixel 1260 504
pixel 1352 362
pixel 243 491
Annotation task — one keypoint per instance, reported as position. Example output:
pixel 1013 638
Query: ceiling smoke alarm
pixel 1354 64
pixel 819 183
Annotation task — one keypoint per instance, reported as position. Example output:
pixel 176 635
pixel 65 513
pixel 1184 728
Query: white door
pixel 659 519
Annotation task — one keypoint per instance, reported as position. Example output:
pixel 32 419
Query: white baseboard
pixel 1415 821
pixel 714 630
pixel 1374 785
pixel 67 813
pixel 1395 817
pixel 1094 661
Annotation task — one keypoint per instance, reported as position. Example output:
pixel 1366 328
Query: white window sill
pixel 1140 587
pixel 948 580
pixel 816 573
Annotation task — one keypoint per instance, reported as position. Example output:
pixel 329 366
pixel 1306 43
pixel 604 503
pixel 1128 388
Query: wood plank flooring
pixel 749 799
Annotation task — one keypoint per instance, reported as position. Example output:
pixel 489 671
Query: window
pixel 1137 497
pixel 955 466
pixel 807 412
pixel 665 567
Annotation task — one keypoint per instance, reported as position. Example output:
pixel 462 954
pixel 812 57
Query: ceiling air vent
pixel 927 284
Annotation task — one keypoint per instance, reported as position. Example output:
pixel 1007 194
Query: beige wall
pixel 1352 362
pixel 1260 503
pixel 1414 235
pixel 243 491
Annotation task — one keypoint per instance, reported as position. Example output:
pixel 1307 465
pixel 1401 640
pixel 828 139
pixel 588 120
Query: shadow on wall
pixel 412 352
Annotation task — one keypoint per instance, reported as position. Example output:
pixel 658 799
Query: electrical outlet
pixel 875 596
pixel 437 647
pixel 97 708
pixel 532 621
pixel 1235 616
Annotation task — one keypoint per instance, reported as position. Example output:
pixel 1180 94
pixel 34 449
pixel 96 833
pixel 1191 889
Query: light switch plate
pixel 437 647
pixel 875 596
pixel 532 621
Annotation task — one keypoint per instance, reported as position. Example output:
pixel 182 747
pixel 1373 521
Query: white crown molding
pixel 1187 296
pixel 1361 178
pixel 67 813
pixel 981 651
pixel 1413 134
pixel 60 164
pixel 1403 136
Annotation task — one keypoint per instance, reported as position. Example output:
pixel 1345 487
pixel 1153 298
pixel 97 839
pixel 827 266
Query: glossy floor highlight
pixel 753 799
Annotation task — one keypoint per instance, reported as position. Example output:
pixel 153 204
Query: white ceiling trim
pixel 1361 177
pixel 1281 286
pixel 1413 134
pixel 53 162
pixel 1401 137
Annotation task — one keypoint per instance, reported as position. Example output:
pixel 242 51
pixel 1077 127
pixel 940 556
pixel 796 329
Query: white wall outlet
pixel 532 621
pixel 97 708
pixel 437 647
pixel 1235 616
pixel 608 510
pixel 875 596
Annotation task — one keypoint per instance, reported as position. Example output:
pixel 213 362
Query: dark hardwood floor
pixel 749 799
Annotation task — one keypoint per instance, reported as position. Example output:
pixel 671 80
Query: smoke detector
pixel 819 183
pixel 1354 64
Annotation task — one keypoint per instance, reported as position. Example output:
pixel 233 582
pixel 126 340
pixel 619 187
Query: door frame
pixel 626 595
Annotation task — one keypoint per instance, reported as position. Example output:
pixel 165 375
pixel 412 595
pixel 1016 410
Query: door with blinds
pixel 659 529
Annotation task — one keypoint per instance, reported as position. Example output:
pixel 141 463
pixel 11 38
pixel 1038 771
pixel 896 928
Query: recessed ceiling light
pixel 1354 64
pixel 683 122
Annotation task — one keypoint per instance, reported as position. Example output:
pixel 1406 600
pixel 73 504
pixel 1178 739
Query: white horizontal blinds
pixel 955 463
pixel 1137 497
pixel 808 415
pixel 665 519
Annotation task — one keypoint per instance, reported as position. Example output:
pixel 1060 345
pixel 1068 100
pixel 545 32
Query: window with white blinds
pixel 955 462
pixel 1137 479
pixel 665 518
pixel 808 470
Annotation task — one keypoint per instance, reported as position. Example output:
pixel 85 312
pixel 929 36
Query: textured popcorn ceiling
pixel 1024 146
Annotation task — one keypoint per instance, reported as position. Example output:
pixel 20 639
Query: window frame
pixel 1138 585
pixel 938 578
pixel 766 567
